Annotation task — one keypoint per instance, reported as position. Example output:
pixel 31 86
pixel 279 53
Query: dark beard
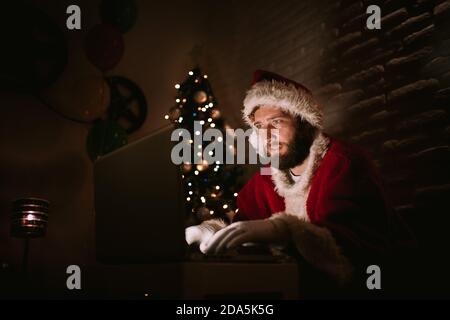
pixel 298 147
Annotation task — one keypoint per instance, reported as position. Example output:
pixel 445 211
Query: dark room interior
pixel 385 90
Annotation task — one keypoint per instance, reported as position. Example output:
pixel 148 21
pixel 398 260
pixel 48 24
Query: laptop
pixel 138 203
pixel 139 214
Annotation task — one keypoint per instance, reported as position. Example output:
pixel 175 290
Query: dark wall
pixel 386 90
pixel 390 89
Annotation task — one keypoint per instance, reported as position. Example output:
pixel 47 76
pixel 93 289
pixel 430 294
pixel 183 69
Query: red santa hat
pixel 271 89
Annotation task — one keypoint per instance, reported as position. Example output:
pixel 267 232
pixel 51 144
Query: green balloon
pixel 105 136
pixel 121 14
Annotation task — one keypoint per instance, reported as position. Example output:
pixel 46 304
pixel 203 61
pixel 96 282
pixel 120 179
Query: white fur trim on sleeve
pixel 294 193
pixel 318 246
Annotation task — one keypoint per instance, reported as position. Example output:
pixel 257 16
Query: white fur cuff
pixel 318 246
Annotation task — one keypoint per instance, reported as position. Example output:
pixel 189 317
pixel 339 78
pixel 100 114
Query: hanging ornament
pixel 203 166
pixel 79 94
pixel 200 96
pixel 34 52
pixel 187 167
pixel 104 137
pixel 203 213
pixel 104 46
pixel 215 114
pixel 121 14
pixel 128 104
pixel 174 113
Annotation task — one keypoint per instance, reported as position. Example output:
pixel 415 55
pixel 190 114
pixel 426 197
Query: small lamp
pixel 29 220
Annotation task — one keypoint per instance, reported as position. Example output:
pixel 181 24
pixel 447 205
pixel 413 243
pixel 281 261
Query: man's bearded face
pixel 294 136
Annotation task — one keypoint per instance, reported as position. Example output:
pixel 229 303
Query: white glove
pixel 272 231
pixel 202 233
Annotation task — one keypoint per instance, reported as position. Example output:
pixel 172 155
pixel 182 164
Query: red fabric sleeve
pixel 349 201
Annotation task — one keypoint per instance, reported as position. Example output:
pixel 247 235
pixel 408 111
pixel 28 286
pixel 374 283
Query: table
pixel 196 280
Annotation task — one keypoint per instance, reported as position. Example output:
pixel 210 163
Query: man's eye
pixel 277 122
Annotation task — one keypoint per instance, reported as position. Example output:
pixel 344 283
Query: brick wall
pixel 387 90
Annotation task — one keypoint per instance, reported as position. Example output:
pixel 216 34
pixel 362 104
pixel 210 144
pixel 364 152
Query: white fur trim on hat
pixel 285 96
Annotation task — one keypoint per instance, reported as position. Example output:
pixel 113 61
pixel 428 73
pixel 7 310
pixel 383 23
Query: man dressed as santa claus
pixel 324 199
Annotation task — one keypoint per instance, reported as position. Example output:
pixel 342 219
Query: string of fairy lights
pixel 210 188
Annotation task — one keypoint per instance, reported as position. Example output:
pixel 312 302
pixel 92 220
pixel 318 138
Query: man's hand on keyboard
pixel 265 231
pixel 202 233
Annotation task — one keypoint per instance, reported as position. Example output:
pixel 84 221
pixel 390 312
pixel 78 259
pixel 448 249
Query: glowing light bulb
pixel 188 198
pixel 217 187
pixel 219 139
pixel 177 86
pixel 199 146
pixel 210 153
pixel 191 73
pixel 177 101
pixel 202 122
pixel 212 125
pixel 203 109
pixel 211 212
pixel 196 172
pixel 30 217
pixel 225 206
pixel 203 199
pixel 211 104
pixel 190 184
pixel 235 194
pixel 209 119
pixel 166 116
pixel 191 141
pixel 197 133
pixel 205 76
pixel 190 192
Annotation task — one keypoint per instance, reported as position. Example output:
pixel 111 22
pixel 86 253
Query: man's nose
pixel 266 134
pixel 271 132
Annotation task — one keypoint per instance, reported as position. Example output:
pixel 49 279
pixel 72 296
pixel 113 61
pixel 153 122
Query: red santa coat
pixel 337 213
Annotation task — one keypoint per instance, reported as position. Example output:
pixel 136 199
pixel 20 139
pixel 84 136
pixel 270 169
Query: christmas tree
pixel 210 188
